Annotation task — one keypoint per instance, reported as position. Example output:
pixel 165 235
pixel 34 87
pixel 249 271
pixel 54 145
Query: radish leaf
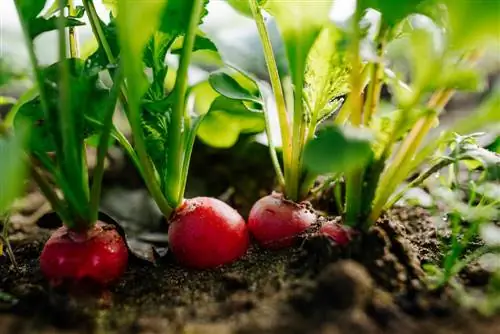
pixel 226 120
pixel 12 168
pixel 338 150
pixel 229 87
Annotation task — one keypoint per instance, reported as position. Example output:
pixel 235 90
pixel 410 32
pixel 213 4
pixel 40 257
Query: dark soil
pixel 376 285
pixel 310 288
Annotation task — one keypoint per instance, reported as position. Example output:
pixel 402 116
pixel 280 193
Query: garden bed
pixel 311 288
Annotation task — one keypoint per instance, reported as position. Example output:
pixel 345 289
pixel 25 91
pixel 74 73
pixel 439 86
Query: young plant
pixel 369 150
pixel 84 248
pixel 303 96
pixel 204 232
pixel 471 206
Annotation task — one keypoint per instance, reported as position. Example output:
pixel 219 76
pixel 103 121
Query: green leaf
pixel 488 159
pixel 463 79
pixel 393 125
pixel 98 60
pixel 338 150
pixel 327 73
pixel 41 138
pixel 41 25
pixel 241 6
pixel 175 16
pixel 200 43
pixel 111 5
pixel 35 24
pixel 86 99
pixel 394 11
pixel 225 85
pixel 473 23
pixel 300 23
pixel 12 168
pixel 489 190
pixel 226 120
pixel 154 58
pixel 155 119
pixel 29 9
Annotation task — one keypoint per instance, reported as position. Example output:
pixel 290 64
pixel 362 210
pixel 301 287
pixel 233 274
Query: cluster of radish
pixel 206 232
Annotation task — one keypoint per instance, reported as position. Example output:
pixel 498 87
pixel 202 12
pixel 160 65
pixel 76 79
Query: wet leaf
pixel 98 60
pixel 338 150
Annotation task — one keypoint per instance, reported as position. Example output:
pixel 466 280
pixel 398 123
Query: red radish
pixel 205 233
pixel 341 235
pixel 276 222
pixel 98 254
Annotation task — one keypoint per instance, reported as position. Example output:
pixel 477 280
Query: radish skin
pixel 276 222
pixel 206 233
pixel 341 235
pixel 99 255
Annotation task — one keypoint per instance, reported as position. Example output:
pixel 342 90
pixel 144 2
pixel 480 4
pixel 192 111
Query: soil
pixel 375 285
pixel 314 287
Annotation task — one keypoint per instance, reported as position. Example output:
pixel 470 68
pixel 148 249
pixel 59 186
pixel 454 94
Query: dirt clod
pixel 345 284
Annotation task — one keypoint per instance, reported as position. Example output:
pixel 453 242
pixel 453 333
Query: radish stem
pixel 175 147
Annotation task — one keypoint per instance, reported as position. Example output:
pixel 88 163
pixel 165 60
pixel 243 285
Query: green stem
pixel 277 88
pixel 74 49
pixel 298 138
pixel 354 181
pixel 102 149
pixel 51 196
pixel 72 164
pixel 34 63
pixel 175 145
pixel 401 163
pixel 272 150
pixel 98 32
pixel 188 151
pixel 375 86
pixel 95 23
pixel 72 202
pixel 125 144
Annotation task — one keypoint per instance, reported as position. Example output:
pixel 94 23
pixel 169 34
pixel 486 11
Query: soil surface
pixel 374 286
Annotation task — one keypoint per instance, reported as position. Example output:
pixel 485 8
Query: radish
pixel 98 254
pixel 341 235
pixel 276 222
pixel 205 232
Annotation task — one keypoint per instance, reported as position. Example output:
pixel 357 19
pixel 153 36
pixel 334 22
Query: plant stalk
pixel 71 159
pixel 375 86
pixel 34 63
pixel 176 127
pixel 354 180
pixel 47 191
pixel 74 49
pixel 277 88
pixel 98 32
pixel 102 149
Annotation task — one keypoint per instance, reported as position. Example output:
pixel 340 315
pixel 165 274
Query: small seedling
pixel 470 208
